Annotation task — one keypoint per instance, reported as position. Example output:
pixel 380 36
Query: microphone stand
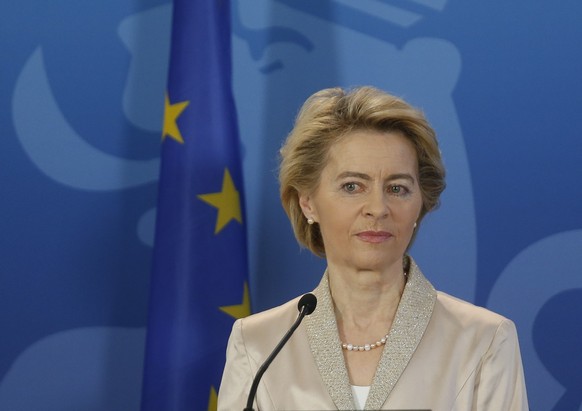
pixel 305 309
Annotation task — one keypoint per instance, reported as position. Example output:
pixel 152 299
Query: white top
pixel 360 395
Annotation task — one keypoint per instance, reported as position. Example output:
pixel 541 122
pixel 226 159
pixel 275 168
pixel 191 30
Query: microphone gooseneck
pixel 306 306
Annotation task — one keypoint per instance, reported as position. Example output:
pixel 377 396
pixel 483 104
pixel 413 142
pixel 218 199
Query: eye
pixel 351 187
pixel 397 189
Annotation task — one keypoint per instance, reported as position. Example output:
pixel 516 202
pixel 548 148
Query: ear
pixel 308 207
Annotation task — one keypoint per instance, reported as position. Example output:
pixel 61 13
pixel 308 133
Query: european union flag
pixel 199 278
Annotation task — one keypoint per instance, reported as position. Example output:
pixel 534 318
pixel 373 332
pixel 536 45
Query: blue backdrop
pixel 81 106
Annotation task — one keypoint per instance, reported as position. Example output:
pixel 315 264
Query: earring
pixel 310 221
pixel 415 224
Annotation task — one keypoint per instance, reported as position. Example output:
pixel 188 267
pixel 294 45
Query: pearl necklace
pixel 365 347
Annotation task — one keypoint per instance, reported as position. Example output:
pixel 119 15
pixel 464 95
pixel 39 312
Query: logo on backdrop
pixel 62 154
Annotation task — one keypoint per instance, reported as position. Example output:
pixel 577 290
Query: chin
pixel 378 261
pixel 371 264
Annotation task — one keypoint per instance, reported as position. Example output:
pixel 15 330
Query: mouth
pixel 374 237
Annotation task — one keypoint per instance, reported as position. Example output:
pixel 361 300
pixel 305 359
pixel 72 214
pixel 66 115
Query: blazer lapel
pixel 412 318
pixel 325 346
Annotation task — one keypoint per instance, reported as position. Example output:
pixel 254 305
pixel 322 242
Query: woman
pixel 358 173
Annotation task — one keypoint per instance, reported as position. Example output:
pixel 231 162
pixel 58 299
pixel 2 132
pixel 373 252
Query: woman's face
pixel 367 201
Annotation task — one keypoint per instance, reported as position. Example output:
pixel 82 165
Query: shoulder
pixel 451 314
pixel 465 311
pixel 267 326
pixel 465 318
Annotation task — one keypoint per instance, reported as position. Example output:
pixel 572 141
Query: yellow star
pixel 227 202
pixel 171 114
pixel 240 310
pixel 213 399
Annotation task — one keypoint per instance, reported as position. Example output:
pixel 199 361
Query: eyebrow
pixel 366 177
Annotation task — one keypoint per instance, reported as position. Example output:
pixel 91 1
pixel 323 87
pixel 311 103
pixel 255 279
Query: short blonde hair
pixel 330 114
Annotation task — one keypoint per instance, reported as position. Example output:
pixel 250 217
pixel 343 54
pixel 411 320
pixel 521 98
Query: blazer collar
pixel 410 322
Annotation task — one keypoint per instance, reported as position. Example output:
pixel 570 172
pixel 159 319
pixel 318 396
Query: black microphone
pixel 306 306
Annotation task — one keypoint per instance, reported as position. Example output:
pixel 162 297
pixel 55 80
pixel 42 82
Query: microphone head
pixel 309 301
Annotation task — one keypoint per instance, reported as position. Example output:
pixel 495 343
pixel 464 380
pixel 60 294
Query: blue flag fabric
pixel 199 278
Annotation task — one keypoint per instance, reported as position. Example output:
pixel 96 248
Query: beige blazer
pixel 442 354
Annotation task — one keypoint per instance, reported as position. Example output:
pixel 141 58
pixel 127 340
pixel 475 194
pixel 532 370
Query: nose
pixel 377 204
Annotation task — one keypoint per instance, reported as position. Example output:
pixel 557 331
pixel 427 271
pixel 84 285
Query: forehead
pixel 373 151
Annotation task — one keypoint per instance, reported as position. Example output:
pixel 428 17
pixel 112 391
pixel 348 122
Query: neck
pixel 364 298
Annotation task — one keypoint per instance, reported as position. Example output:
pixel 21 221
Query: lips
pixel 374 237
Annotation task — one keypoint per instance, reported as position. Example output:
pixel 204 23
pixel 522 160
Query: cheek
pixel 416 206
pixel 409 214
pixel 335 222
